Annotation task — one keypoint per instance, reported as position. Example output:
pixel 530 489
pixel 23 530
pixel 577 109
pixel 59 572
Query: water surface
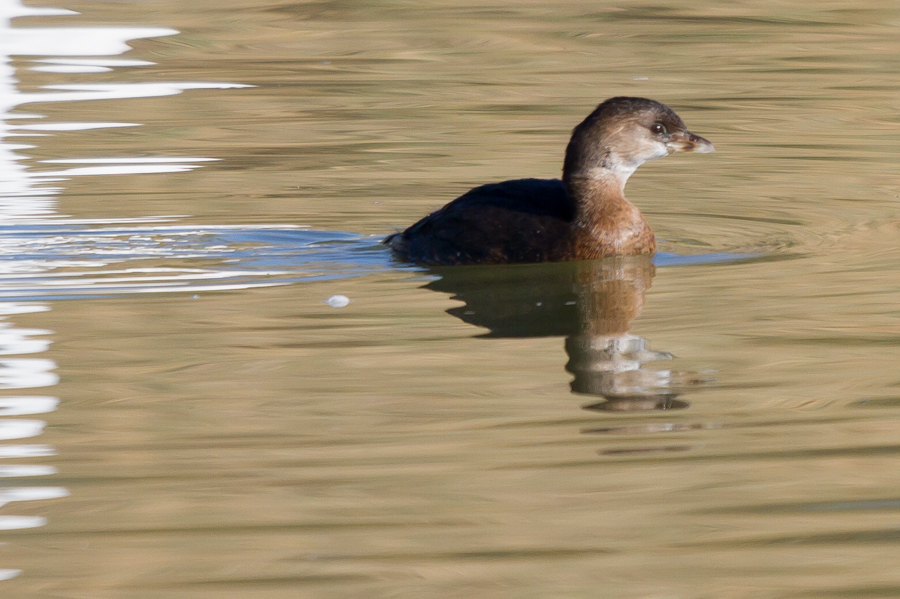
pixel 183 186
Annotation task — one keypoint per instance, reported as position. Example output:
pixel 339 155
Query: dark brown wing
pixel 526 220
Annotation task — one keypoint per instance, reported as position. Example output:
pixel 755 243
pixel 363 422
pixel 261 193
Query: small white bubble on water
pixel 338 301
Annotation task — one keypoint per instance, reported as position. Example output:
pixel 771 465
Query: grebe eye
pixel 658 128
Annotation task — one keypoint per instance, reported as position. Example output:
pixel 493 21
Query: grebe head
pixel 622 134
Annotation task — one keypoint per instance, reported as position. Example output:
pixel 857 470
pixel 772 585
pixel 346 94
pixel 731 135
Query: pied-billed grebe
pixel 582 217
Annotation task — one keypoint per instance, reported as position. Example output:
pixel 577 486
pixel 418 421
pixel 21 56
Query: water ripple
pixel 59 262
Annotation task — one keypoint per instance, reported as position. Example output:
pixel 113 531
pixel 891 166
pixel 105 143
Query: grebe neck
pixel 598 195
pixel 605 222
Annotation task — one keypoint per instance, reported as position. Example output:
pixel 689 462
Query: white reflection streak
pixel 74 126
pixel 20 197
pixel 18 406
pixel 31 494
pixel 26 451
pixel 16 341
pixel 20 429
pixel 25 195
pixel 27 373
pixel 143 169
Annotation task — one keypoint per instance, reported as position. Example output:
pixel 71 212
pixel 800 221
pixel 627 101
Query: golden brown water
pixel 222 432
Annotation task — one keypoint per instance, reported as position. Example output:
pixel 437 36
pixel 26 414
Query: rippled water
pixel 183 186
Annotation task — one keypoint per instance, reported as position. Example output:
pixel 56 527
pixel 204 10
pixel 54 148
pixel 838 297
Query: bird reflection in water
pixel 591 304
